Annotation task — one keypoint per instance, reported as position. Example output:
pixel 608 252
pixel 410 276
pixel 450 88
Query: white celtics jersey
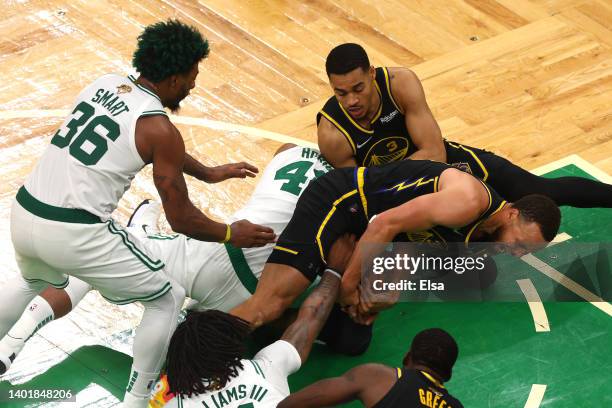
pixel 221 276
pixel 92 158
pixel 262 382
pixel 273 202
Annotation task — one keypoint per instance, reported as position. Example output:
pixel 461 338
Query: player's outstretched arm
pixel 334 146
pixel 332 391
pixel 422 126
pixel 460 200
pixel 218 173
pixel 160 143
pixel 316 308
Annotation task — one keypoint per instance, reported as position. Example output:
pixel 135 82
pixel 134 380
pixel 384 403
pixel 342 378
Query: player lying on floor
pixel 217 276
pixel 206 365
pixel 419 383
pixel 407 197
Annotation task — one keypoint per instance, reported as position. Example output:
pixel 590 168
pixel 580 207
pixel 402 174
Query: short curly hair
pixel 168 48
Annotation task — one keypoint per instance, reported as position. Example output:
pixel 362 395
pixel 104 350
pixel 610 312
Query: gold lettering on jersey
pixel 124 89
pixel 110 101
pixel 432 400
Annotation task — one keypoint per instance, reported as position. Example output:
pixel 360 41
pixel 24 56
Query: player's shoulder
pixel 281 356
pixel 370 370
pixel 405 85
pixel 401 74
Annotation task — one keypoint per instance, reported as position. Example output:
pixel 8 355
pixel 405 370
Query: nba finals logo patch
pixel 124 89
pixel 161 393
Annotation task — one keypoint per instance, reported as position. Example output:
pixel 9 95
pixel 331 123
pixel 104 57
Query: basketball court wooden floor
pixel 528 79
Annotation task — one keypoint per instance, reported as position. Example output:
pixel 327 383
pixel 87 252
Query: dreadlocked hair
pixel 205 352
pixel 168 48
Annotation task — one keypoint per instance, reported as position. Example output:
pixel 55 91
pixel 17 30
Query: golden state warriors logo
pixel 124 89
pixel 387 150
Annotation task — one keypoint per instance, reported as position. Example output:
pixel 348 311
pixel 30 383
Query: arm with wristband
pixel 316 308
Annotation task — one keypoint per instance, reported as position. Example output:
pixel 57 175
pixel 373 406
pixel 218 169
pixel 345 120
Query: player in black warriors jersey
pixel 380 115
pixel 420 383
pixel 408 196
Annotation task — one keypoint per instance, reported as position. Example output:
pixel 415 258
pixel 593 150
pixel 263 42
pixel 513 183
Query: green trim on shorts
pixel 147 298
pixel 163 237
pixel 50 212
pixel 144 258
pixel 60 286
pixel 180 401
pixel 241 267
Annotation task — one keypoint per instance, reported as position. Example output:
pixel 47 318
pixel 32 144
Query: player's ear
pixel 513 213
pixel 372 72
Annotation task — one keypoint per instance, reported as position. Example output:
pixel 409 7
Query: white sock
pixel 151 344
pixel 76 290
pixel 37 314
pixel 16 294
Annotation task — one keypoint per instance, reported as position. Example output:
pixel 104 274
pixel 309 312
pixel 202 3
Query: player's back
pixel 92 158
pixel 417 389
pixel 222 276
pixel 261 383
pixel 274 199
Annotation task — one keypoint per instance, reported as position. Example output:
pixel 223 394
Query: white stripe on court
pixel 568 283
pixel 540 320
pixel 562 237
pixel 184 120
pixel 577 161
pixel 535 396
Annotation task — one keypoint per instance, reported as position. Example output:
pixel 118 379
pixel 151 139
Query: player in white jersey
pixel 61 220
pixel 205 364
pixel 217 276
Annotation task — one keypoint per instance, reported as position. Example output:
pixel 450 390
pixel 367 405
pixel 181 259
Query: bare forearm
pixel 196 169
pixel 435 153
pixel 369 244
pixel 325 393
pixel 182 215
pixel 313 314
pixel 197 225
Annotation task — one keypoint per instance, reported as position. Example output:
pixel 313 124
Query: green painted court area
pixel 501 355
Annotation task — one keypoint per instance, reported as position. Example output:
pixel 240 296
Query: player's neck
pixel 487 227
pixel 149 85
pixel 427 370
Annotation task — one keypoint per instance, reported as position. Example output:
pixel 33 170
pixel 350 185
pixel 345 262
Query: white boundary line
pixel 266 134
pixel 535 396
pixel 578 162
pixel 225 126
pixel 183 120
pixel 560 278
pixel 540 320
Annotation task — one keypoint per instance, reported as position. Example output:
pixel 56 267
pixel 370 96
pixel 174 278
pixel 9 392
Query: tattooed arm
pixel 316 308
pixel 159 142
